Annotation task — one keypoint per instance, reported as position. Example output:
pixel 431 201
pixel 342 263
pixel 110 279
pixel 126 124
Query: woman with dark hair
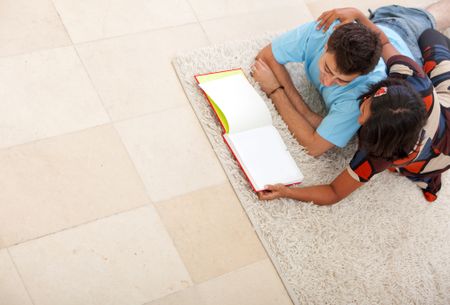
pixel 405 121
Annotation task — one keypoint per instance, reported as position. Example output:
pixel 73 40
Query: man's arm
pixel 285 80
pixel 303 131
pixel 298 124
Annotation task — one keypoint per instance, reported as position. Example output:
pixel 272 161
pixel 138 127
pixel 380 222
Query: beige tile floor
pixel 110 192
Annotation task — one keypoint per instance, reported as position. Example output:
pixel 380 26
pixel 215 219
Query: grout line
pixel 199 22
pixel 21 277
pixel 93 84
pixel 46 48
pixel 85 69
pixel 138 173
pixel 37 50
pixel 139 116
pixel 62 21
pixel 214 278
pixel 74 44
pixel 180 257
pixel 164 28
pixel 258 11
pixel 45 138
pixel 120 35
pixel 188 193
pixel 84 129
pixel 81 224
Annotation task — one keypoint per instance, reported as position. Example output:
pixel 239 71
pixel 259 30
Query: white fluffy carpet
pixel 384 244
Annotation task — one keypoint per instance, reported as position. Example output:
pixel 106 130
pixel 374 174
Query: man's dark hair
pixel 356 48
pixel 396 120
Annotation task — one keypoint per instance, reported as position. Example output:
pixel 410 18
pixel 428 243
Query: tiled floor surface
pixel 109 190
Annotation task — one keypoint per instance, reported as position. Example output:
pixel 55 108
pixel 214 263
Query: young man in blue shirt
pixel 341 64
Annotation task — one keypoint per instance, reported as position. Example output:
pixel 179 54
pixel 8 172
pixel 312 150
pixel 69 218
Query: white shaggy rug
pixel 384 244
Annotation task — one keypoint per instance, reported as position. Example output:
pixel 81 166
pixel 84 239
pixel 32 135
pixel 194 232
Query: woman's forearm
pixel 342 186
pixel 319 194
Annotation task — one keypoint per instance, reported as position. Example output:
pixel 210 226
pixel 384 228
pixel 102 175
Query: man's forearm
pixel 285 80
pixel 301 121
pixel 295 120
pixel 294 96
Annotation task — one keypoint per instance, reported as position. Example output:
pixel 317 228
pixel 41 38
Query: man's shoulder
pixel 305 32
pixel 300 44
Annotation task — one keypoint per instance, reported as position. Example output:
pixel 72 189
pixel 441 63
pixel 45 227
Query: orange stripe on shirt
pixel 415 167
pixel 364 170
pixel 429 65
pixel 428 101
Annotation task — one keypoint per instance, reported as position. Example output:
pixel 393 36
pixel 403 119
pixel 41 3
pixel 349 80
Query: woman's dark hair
pixel 396 120
pixel 357 49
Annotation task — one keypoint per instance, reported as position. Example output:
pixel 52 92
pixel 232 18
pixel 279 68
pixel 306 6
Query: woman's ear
pixel 365 111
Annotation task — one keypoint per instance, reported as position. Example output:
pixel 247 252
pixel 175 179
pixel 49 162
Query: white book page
pixel 240 103
pixel 264 157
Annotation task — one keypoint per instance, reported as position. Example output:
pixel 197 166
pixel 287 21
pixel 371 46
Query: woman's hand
pixel 342 186
pixel 262 73
pixel 345 15
pixel 273 192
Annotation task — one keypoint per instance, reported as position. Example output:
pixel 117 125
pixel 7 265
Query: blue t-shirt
pixel 306 44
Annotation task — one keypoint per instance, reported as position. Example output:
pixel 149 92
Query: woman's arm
pixel 347 15
pixel 342 186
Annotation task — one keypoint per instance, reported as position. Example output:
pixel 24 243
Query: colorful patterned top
pixel 430 157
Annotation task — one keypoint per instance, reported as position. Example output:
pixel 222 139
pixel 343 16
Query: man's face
pixel 329 74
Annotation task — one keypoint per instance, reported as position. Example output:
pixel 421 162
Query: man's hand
pixel 345 15
pixel 273 192
pixel 262 73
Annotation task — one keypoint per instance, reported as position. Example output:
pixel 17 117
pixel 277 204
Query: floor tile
pixel 189 296
pixel 46 93
pixel 207 9
pixel 12 291
pixel 133 74
pixel 318 6
pixel 30 25
pixel 61 182
pixel 124 259
pixel 171 153
pixel 211 232
pixel 96 19
pixel 244 26
pixel 255 24
pixel 257 284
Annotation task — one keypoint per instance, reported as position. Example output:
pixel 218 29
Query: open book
pixel 248 129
